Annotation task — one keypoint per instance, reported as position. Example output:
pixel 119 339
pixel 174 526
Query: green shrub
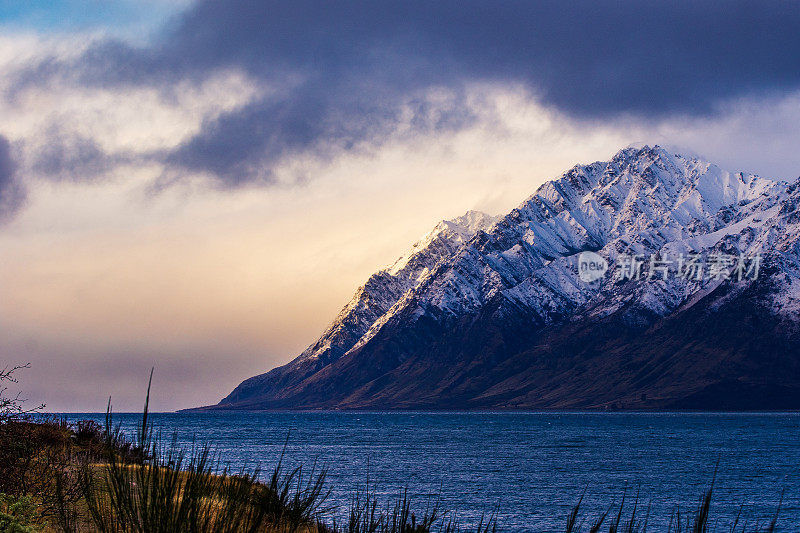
pixel 18 514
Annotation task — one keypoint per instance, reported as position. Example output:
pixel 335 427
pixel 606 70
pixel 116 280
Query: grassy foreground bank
pixel 87 477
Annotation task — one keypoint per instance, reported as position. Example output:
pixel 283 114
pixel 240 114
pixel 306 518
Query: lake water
pixel 534 466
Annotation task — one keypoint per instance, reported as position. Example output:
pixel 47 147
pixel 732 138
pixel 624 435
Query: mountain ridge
pixel 493 316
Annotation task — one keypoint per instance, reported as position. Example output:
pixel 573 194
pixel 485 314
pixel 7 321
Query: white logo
pixel 591 266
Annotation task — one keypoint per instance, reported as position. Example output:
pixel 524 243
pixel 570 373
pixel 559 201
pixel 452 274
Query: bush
pixel 18 514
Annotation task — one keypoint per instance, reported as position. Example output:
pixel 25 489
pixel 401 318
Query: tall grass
pixel 367 515
pixel 618 520
pixel 147 487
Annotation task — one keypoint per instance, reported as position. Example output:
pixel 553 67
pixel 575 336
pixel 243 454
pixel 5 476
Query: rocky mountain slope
pixel 371 301
pixel 490 313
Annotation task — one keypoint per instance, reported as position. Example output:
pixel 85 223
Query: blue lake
pixel 533 466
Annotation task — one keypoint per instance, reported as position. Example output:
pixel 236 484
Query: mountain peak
pixel 640 151
pixel 472 221
pixel 455 230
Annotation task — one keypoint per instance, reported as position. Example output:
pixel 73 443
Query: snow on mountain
pixel 643 201
pixel 520 271
pixel 447 232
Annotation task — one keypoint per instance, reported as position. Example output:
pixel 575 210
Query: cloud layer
pixel 341 76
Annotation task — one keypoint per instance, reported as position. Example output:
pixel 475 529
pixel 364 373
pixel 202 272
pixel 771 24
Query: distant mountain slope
pixel 371 301
pixel 494 314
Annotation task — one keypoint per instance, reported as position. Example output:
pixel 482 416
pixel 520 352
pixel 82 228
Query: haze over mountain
pixel 491 313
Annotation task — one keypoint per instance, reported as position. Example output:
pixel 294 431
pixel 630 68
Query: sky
pixel 200 186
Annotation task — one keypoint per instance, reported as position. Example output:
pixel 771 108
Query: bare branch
pixel 12 407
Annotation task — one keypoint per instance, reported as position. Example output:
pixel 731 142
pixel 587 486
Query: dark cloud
pixel 65 155
pixel 242 145
pixel 12 193
pixel 347 71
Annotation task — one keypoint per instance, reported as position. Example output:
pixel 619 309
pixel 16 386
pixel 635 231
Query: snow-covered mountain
pixel 493 313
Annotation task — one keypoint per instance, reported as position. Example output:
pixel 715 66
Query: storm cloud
pixel 337 76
